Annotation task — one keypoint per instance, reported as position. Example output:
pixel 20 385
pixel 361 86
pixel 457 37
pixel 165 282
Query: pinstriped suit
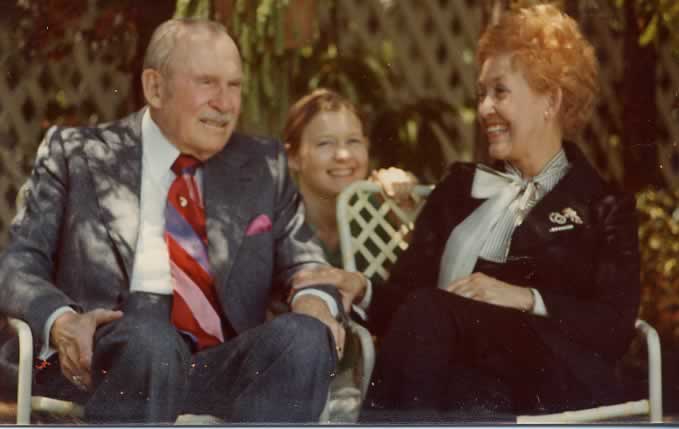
pixel 79 228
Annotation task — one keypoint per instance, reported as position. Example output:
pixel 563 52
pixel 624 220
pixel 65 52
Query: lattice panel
pixel 31 90
pixel 374 231
pixel 606 121
pixel 434 43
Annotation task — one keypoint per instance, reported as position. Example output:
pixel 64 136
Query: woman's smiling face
pixel 512 115
pixel 333 153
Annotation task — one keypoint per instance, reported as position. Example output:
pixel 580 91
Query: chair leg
pixel 654 370
pixel 25 370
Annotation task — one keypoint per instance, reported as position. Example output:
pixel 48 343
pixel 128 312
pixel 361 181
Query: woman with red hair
pixel 519 291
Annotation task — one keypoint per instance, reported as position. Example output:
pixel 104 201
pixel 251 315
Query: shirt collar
pixel 551 173
pixel 558 162
pixel 159 154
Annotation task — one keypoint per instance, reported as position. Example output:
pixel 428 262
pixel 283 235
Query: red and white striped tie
pixel 194 304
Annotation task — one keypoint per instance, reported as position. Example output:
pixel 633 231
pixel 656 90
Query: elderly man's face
pixel 201 96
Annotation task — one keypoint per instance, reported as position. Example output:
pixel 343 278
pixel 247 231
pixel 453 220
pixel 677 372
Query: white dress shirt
pixel 151 270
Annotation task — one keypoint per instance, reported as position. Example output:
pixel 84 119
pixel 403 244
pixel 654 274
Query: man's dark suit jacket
pixel 73 242
pixel 588 276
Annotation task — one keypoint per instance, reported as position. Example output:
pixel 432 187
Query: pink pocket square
pixel 261 223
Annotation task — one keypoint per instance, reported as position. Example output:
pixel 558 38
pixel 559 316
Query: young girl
pixel 328 151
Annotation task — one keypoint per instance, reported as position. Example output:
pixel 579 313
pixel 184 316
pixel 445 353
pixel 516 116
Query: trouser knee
pixel 305 340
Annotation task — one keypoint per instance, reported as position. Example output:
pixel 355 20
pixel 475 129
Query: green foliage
pixel 192 8
pixel 45 32
pixel 258 29
pixel 409 136
pixel 280 66
pixel 405 133
pixel 659 246
pixel 657 20
pixel 260 34
pixel 48 31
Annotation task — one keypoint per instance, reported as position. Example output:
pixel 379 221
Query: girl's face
pixel 332 154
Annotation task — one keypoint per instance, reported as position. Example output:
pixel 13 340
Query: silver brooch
pixel 557 218
pixel 572 215
pixel 560 219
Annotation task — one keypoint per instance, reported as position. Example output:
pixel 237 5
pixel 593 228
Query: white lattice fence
pixel 606 121
pixel 434 43
pixel 31 90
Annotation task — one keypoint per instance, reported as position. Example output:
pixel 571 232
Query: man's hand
pixel 351 285
pixel 315 307
pixel 72 335
pixel 481 287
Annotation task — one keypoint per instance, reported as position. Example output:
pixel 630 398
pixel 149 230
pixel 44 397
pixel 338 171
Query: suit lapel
pixel 575 191
pixel 114 157
pixel 229 200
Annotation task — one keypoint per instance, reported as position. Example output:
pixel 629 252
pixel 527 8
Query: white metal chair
pixel 373 234
pixel 27 403
pixel 652 406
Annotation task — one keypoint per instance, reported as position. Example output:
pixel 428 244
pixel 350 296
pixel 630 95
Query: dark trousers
pixel 450 359
pixel 145 371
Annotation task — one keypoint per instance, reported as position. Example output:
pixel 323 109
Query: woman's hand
pixel 397 185
pixel 351 285
pixel 481 287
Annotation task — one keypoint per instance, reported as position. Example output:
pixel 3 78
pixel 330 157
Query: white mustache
pixel 224 119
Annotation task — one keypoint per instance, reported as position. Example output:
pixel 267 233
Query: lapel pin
pixel 557 218
pixel 572 215
pixel 561 228
pixel 183 202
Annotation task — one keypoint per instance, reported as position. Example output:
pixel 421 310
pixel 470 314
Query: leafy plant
pixel 659 246
pixel 409 134
pixel 260 35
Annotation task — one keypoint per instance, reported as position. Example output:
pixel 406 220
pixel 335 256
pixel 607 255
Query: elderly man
pixel 148 248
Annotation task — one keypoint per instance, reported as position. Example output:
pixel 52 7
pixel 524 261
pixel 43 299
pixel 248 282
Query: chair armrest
pixel 25 370
pixel 654 369
pixel 652 405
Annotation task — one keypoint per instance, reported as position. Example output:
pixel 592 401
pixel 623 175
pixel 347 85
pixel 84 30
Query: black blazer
pixel 588 276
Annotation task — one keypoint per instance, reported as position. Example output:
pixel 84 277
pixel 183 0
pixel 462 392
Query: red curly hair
pixel 548 47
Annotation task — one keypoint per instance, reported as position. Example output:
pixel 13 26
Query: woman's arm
pixel 418 266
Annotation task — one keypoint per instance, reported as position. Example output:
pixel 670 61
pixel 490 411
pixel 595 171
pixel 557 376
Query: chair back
pixel 374 230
